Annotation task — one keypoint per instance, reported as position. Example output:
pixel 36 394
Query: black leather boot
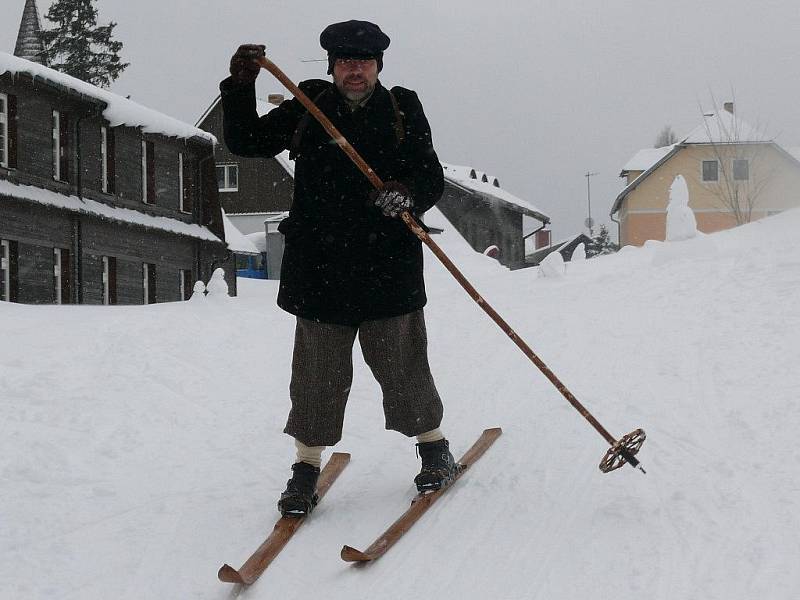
pixel 300 496
pixel 438 466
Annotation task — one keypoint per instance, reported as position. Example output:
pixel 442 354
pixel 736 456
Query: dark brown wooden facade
pixel 263 184
pixel 56 251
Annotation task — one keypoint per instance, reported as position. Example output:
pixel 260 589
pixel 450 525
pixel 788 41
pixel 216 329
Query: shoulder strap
pixel 399 124
pixel 302 125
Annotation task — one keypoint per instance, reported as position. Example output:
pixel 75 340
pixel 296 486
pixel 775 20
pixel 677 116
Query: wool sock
pixel 309 454
pixel 430 436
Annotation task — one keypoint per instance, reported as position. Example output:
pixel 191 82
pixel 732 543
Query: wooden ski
pixel 419 505
pixel 283 531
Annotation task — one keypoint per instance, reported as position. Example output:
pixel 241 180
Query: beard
pixel 362 90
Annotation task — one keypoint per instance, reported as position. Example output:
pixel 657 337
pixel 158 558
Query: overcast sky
pixel 534 93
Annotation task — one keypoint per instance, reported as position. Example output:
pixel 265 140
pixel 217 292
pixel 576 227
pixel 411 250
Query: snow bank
pixel 139 458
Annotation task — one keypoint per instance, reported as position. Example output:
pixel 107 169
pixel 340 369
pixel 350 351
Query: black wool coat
pixel 344 262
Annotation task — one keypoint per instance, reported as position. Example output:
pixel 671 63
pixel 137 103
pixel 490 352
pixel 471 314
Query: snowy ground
pixel 141 447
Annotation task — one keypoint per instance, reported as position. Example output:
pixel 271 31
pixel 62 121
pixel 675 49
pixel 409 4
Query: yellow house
pixel 733 172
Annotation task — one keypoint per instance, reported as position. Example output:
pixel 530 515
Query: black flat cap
pixel 354 39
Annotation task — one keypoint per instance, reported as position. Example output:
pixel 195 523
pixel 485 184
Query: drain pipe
pixel 619 229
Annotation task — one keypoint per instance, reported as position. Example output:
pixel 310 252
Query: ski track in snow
pixel 141 447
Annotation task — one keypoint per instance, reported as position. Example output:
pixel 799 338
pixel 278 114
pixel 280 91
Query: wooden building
pixel 102 201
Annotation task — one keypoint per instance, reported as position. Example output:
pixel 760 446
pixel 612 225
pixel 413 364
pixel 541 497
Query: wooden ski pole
pixel 622 450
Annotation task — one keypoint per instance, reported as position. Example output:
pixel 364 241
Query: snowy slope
pixel 141 447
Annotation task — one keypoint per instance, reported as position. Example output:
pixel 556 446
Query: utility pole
pixel 589 222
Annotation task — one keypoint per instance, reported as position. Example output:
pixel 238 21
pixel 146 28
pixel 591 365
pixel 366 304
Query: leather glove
pixel 244 69
pixel 393 199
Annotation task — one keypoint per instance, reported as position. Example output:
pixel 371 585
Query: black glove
pixel 244 68
pixel 393 199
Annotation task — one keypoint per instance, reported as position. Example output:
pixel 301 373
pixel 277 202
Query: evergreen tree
pixel 79 47
pixel 601 244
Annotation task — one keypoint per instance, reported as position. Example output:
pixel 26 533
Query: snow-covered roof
pixel 92 207
pixel 259 240
pixel 794 151
pixel 275 217
pixel 488 186
pixel 646 158
pixel 118 111
pixel 724 127
pixel 238 243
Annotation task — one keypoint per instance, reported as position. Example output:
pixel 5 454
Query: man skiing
pixel 350 266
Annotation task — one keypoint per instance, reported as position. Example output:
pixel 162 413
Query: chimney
pixel 275 99
pixel 728 106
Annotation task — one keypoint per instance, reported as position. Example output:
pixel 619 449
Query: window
pixel 61 276
pixel 8 131
pixel 148 172
pixel 741 170
pixel 109 280
pixel 60 146
pixel 710 170
pixel 185 190
pixel 149 283
pixel 3 130
pixel 186 283
pixel 5 271
pixel 228 178
pixel 108 165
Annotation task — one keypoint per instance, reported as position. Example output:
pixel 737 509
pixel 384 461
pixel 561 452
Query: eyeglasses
pixel 354 63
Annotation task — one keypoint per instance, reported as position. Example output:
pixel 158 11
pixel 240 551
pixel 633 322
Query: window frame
pixel 747 169
pixel 4 113
pixel 109 280
pixel 104 159
pixel 61 275
pixel 703 171
pixel 5 270
pixel 226 178
pixel 185 277
pixel 149 287
pixel 148 172
pixel 56 141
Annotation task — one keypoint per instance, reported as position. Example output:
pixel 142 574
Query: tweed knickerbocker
pixel 395 349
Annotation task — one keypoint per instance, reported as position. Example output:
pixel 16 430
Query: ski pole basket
pixel 624 451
